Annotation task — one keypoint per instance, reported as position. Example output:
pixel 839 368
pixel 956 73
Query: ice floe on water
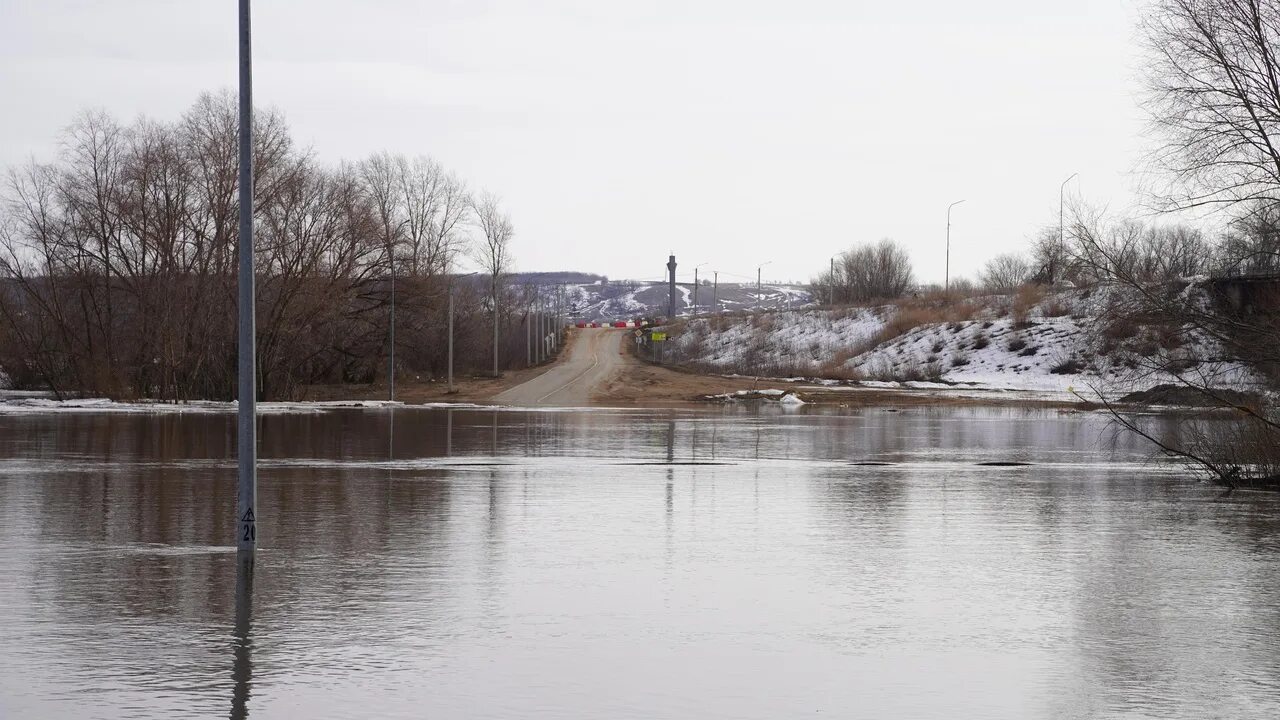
pixel 13 403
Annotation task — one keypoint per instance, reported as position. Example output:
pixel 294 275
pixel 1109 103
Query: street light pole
pixel 391 362
pixel 946 282
pixel 450 336
pixel 452 280
pixel 715 293
pixel 247 447
pixel 1061 244
pixel 494 287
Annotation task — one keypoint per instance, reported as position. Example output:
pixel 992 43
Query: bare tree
pixel 493 252
pixel 1005 273
pixel 1213 81
pixel 118 260
pixel 1251 245
pixel 1162 326
pixel 878 271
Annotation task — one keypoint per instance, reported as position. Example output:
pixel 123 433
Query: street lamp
pixel 758 293
pixel 695 287
pixel 1054 257
pixel 247 444
pixel 946 282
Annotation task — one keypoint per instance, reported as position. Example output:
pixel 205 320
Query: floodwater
pixel 731 563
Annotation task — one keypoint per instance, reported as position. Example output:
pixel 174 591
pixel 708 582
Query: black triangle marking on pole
pixel 248 516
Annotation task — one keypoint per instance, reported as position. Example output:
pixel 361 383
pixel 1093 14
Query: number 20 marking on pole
pixel 250 526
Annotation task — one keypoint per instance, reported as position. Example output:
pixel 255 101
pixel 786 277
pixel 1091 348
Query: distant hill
pixel 594 298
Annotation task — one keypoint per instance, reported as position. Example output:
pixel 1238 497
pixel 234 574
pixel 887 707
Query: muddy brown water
pixel 734 563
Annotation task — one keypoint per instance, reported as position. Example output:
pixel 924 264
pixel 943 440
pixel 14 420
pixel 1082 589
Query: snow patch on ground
pixel 786 339
pixel 10 405
pixel 1054 347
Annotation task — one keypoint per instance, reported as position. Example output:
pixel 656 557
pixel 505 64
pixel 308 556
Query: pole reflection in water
pixel 242 641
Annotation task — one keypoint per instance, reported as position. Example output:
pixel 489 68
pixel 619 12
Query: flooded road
pixel 726 563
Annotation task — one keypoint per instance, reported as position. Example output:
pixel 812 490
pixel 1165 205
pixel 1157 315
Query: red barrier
pixel 582 325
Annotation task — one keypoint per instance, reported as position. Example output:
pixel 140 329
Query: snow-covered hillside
pixel 605 300
pixel 1056 343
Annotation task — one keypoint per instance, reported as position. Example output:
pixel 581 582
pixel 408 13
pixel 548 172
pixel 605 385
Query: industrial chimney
pixel 671 303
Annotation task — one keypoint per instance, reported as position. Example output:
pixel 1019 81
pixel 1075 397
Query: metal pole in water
pixel 247 447
pixel 391 360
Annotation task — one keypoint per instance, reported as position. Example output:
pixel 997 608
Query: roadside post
pixel 657 338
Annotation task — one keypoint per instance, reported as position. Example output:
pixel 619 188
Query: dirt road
pixel 592 358
pixel 595 368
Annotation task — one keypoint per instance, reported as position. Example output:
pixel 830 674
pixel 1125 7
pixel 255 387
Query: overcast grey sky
pixel 731 132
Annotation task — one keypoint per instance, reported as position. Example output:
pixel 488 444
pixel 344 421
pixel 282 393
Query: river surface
pixel 732 563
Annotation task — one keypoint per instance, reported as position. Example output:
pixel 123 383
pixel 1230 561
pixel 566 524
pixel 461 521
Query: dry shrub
pixel 1068 366
pixel 835 370
pixel 1028 297
pixel 763 321
pixel 1120 327
pixel 1169 336
pixel 720 323
pixel 912 314
pixel 908 371
pixel 1056 308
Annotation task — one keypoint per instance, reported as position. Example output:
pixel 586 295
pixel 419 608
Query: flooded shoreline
pixel 485 563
